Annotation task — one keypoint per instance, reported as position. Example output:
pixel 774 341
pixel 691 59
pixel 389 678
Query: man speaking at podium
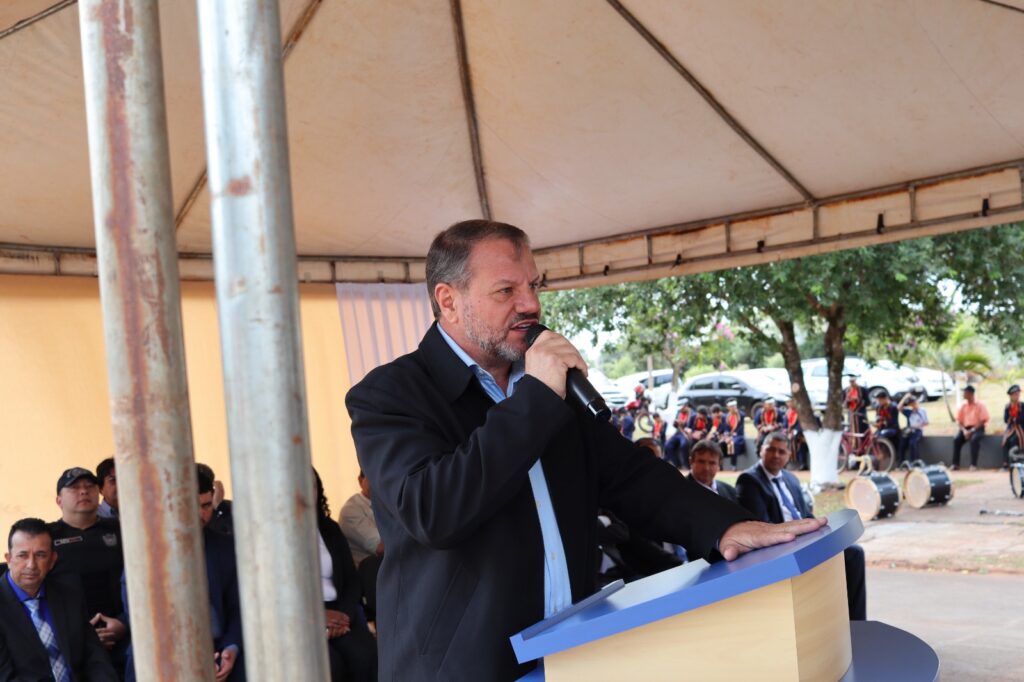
pixel 487 481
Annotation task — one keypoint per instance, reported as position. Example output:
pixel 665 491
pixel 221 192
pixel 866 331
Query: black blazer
pixel 464 566
pixel 345 578
pixel 222 584
pixel 22 655
pixel 756 494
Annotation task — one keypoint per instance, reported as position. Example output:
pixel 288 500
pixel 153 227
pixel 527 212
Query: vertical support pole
pixel 258 307
pixel 139 288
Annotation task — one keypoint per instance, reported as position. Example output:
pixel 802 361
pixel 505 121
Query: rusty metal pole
pixel 139 289
pixel 258 308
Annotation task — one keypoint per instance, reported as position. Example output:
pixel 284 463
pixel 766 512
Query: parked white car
pixel 936 383
pixel 874 378
pixel 781 377
pixel 609 390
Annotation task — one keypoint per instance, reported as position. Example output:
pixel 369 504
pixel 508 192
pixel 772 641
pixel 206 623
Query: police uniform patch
pixel 67 541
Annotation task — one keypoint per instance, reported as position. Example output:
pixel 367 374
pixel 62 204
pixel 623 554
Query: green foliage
pixel 987 268
pixel 897 301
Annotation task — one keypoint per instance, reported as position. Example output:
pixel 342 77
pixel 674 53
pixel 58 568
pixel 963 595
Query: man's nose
pixel 528 302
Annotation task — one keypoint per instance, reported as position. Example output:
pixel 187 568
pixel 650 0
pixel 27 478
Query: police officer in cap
pixel 90 553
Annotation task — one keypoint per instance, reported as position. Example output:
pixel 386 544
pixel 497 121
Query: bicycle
pixel 853 447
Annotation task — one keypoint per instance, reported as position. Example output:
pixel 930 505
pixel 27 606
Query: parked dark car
pixel 748 389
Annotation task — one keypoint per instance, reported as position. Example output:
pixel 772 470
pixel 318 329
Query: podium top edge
pixel 688 587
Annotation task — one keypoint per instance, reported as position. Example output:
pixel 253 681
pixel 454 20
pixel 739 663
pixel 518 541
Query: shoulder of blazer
pixel 433 363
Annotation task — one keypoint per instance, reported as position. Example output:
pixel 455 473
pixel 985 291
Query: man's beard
pixel 493 342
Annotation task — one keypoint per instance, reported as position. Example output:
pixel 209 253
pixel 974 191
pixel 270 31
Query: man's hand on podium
pixel 749 535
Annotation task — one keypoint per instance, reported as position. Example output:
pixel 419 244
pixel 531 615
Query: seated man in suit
pixel 222 582
pixel 472 448
pixel 705 462
pixel 44 626
pixel 773 494
pixel 222 590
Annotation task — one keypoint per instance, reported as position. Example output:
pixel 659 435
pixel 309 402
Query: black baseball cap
pixel 73 474
pixel 1013 389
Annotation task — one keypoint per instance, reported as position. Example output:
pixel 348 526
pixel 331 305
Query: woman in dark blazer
pixel 350 646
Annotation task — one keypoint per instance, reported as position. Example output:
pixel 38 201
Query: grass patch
pixel 829 501
pixel 966 482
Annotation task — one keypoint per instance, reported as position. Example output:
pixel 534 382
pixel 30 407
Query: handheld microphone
pixel 576 385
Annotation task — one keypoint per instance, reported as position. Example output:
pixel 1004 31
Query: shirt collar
pixel 713 487
pixel 518 368
pixel 21 594
pixel 768 473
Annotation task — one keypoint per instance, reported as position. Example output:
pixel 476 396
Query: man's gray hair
pixel 448 257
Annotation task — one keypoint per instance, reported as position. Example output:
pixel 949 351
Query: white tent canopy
pixel 629 139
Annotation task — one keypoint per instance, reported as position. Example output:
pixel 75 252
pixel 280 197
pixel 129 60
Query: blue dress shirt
pixel 557 590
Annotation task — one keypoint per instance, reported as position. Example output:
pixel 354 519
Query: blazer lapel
pixel 774 509
pixel 12 611
pixel 61 621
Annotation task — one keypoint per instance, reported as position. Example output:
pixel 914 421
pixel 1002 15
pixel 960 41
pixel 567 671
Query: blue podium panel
pixel 685 588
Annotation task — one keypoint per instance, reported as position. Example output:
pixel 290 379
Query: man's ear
pixel 446 296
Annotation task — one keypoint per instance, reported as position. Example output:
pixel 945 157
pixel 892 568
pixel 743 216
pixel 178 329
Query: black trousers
pixel 1010 444
pixel 975 441
pixel 368 570
pixel 856 590
pixel 353 657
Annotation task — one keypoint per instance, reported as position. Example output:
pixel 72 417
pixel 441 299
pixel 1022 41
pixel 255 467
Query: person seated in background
pixel 766 420
pixel 772 494
pixel 222 583
pixel 856 400
pixel 107 476
pixel 705 463
pixel 717 426
pixel 222 590
pixel 700 422
pixel 360 529
pixel 917 419
pixel 659 428
pixel 887 420
pixel 45 632
pixel 1013 416
pixel 677 448
pixel 795 433
pixel 971 418
pixel 91 556
pixel 351 649
pixel 735 436
pixel 222 520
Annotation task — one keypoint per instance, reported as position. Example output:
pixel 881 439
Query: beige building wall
pixel 54 408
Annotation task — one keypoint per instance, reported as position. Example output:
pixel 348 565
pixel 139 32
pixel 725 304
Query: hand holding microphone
pixel 561 367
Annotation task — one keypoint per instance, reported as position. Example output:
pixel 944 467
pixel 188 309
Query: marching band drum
pixel 927 485
pixel 873 495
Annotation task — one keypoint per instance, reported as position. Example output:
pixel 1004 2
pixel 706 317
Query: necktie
pixel 785 500
pixel 49 640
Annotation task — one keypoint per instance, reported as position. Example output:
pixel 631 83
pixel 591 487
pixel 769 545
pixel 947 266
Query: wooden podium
pixel 774 614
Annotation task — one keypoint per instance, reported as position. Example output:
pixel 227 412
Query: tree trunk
pixel 835 356
pixel 791 358
pixel 822 444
